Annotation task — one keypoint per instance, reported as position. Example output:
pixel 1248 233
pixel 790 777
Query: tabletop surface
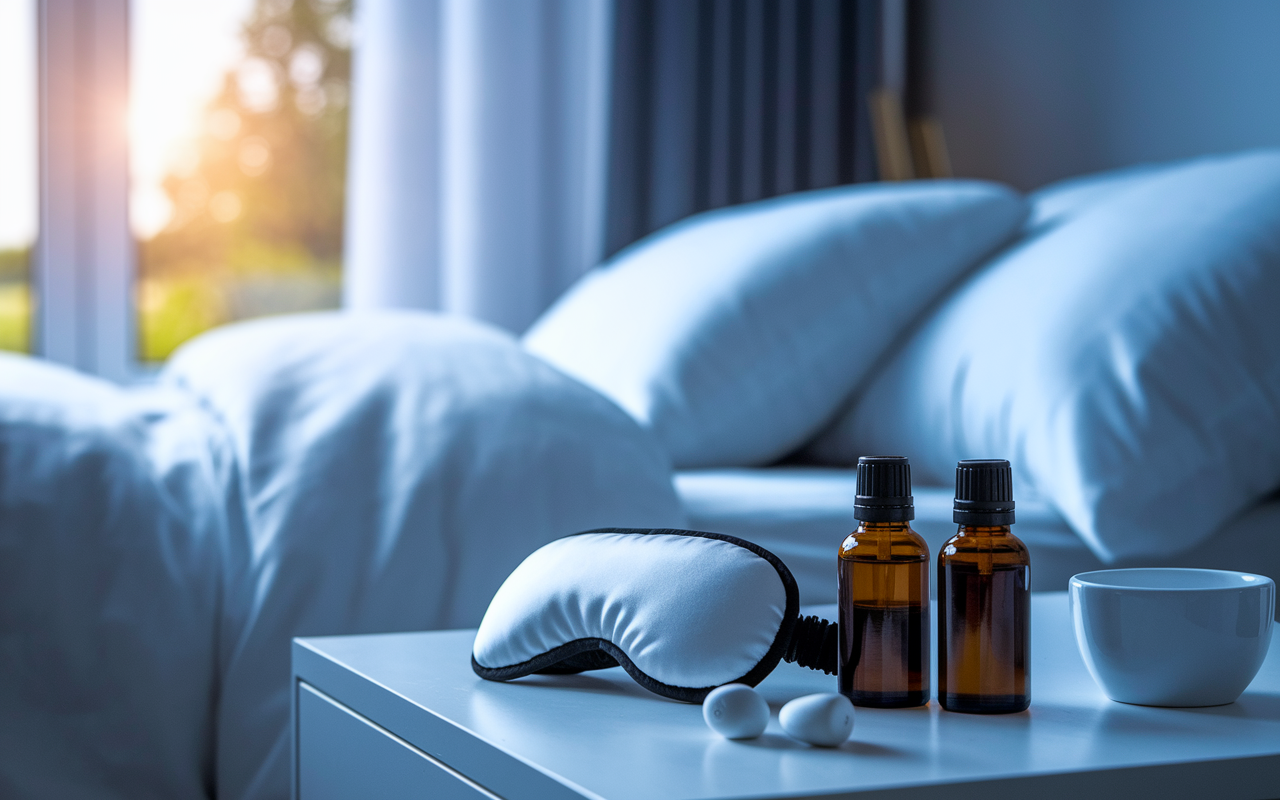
pixel 602 735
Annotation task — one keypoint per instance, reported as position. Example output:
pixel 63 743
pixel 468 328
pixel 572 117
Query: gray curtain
pixel 716 102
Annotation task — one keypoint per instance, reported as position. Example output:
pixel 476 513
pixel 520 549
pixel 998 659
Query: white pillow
pixel 1127 362
pixel 1066 199
pixel 736 334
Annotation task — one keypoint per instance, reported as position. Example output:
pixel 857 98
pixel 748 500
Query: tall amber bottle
pixel 884 593
pixel 984 598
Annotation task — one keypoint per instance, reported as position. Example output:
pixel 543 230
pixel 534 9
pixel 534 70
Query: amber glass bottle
pixel 884 593
pixel 984 598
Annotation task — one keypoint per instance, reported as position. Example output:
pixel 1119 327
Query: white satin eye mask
pixel 681 611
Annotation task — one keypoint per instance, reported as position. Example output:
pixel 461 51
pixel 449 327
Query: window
pixel 191 171
pixel 238 125
pixel 18 195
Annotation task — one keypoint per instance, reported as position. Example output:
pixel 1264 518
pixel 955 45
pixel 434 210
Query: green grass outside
pixel 15 316
pixel 173 309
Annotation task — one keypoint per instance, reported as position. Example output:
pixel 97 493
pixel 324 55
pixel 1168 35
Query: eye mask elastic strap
pixel 814 644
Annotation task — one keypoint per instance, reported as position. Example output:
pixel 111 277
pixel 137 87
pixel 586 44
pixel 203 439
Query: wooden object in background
pixel 906 150
pixel 929 147
pixel 889 129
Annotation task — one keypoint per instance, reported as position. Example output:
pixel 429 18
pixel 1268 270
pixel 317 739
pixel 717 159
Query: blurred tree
pixel 258 201
pixel 13 265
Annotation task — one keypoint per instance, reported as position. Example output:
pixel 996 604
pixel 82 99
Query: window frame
pixel 84 263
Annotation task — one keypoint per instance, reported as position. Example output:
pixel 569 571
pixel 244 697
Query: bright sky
pixel 181 50
pixel 17 123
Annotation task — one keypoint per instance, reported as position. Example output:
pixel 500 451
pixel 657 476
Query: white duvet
pixel 312 475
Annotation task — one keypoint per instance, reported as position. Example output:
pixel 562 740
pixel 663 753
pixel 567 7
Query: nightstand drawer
pixel 341 755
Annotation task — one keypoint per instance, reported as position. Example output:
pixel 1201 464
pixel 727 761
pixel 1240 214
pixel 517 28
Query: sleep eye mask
pixel 681 611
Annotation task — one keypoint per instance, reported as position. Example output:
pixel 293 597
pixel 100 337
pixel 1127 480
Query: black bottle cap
pixel 984 492
pixel 884 490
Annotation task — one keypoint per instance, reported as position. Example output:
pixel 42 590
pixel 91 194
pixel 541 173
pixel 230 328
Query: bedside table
pixel 403 715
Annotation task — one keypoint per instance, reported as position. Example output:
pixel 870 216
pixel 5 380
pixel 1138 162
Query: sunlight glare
pixel 181 51
pixel 18 208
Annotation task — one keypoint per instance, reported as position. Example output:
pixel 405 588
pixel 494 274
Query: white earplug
pixel 736 711
pixel 822 719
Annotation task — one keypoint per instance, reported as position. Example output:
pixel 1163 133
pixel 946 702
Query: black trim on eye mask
pixel 810 642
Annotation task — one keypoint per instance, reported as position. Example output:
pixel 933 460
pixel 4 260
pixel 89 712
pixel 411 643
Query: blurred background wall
pixel 1029 92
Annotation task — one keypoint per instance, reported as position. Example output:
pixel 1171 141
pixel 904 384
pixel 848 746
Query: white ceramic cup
pixel 1172 637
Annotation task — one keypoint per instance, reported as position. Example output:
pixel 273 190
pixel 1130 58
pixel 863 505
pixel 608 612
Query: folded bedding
pixel 322 474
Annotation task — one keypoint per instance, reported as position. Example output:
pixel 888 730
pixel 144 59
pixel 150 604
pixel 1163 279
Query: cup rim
pixel 1086 579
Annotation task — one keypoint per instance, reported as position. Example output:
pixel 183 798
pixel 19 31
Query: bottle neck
pixel 984 530
pixel 882 527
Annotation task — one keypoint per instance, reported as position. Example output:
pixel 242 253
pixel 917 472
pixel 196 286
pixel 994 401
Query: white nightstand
pixel 403 715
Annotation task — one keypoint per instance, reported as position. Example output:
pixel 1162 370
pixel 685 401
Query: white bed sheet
pixel 802 514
